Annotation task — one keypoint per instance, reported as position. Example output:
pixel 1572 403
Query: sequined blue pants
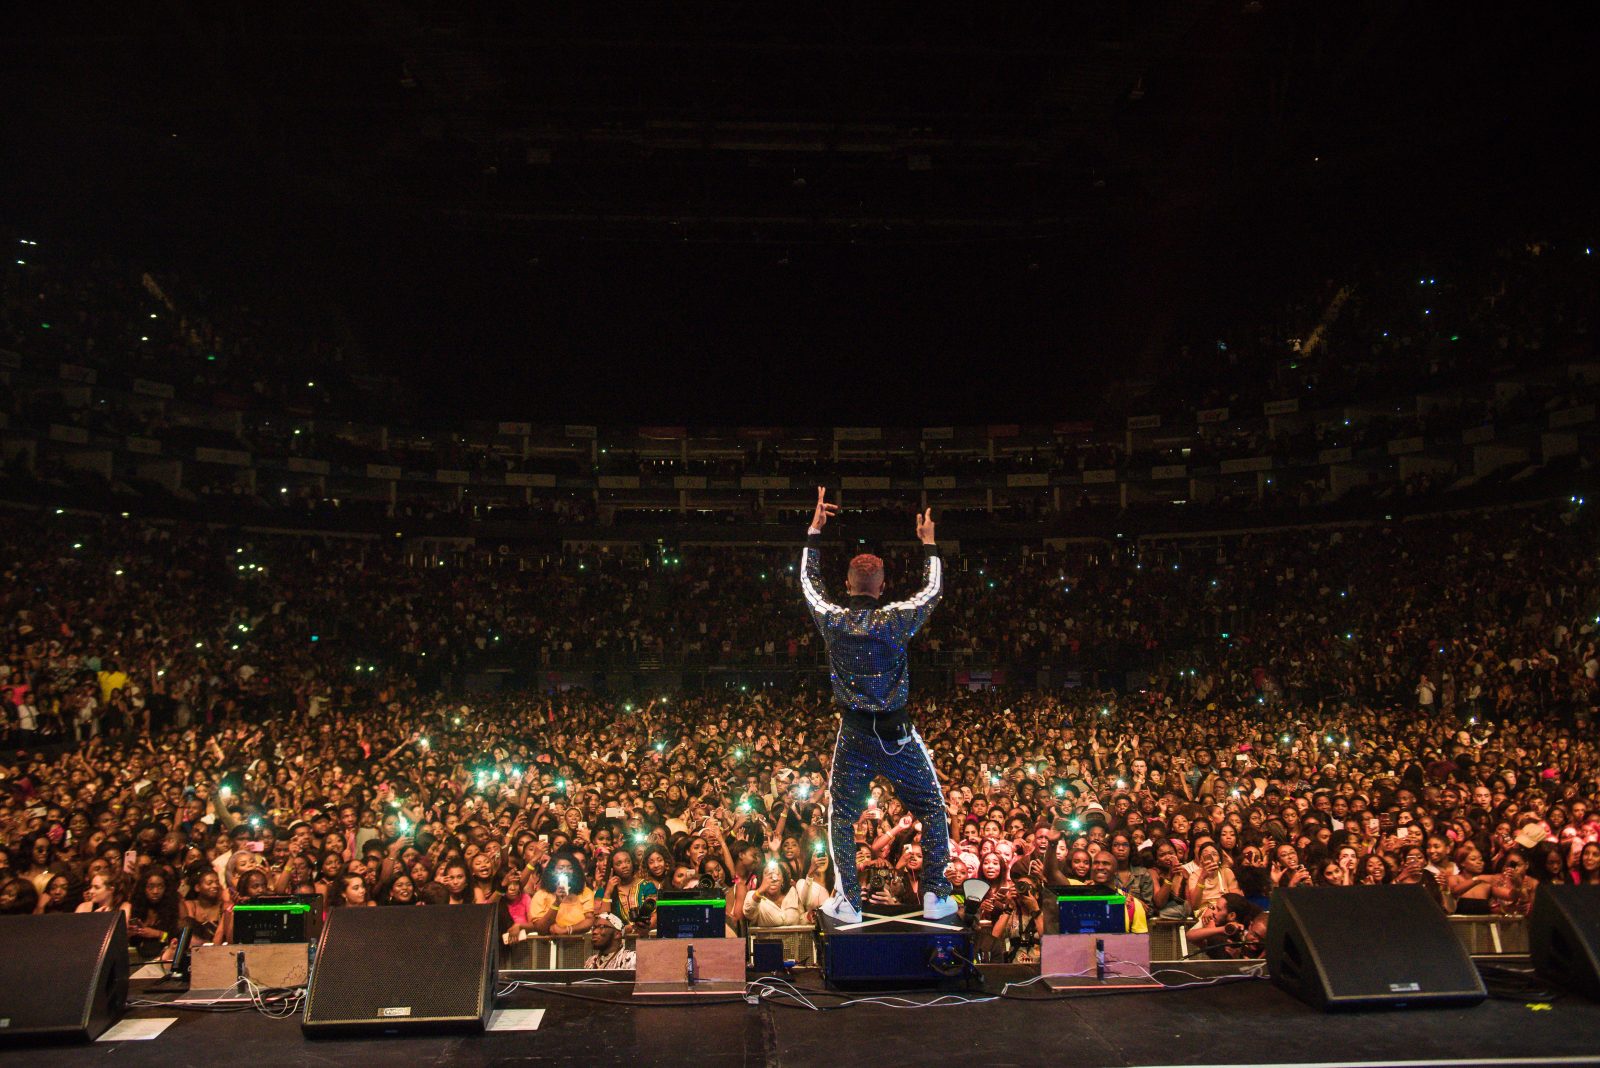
pixel 859 756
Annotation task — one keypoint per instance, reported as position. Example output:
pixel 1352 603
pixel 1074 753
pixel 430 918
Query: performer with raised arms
pixel 867 641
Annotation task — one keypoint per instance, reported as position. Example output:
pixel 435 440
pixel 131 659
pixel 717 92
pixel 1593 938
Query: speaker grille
pixel 62 974
pixel 1365 946
pixel 404 968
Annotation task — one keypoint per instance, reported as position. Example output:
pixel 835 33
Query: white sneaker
pixel 838 907
pixel 938 907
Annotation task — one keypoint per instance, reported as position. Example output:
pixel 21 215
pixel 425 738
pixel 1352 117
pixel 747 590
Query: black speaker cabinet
pixel 1367 947
pixel 1564 937
pixel 391 970
pixel 62 975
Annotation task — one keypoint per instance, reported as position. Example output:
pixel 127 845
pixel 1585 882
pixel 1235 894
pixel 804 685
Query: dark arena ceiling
pixel 641 208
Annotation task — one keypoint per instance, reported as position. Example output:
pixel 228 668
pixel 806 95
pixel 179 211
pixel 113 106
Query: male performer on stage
pixel 867 654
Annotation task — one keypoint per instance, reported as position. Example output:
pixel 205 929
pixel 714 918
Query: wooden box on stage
pixel 1095 961
pixel 276 966
pixel 661 967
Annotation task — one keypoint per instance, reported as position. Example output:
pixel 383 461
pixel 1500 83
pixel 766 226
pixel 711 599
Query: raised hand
pixel 925 527
pixel 819 518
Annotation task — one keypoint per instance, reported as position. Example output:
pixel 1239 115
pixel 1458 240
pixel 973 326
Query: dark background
pixel 724 212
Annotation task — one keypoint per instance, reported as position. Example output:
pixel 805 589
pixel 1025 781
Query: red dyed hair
pixel 865 570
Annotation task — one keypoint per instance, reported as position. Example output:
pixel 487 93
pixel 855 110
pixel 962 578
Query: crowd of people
pixel 1495 613
pixel 572 812
pixel 195 717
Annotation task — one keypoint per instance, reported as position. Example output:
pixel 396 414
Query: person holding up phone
pixel 867 644
pixel 772 901
pixel 813 890
pixel 564 905
pixel 1413 869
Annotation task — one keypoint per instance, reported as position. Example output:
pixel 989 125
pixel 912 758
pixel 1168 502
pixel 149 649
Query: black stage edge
pixel 1234 1022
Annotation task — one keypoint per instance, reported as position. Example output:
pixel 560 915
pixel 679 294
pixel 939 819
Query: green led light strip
pixel 1105 900
pixel 717 901
pixel 272 908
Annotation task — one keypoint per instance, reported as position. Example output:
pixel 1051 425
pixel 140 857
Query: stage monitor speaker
pixel 391 970
pixel 62 975
pixel 1367 947
pixel 1564 937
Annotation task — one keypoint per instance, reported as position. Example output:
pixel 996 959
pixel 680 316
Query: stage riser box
pixel 905 959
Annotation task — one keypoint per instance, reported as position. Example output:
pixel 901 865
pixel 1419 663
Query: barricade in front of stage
pixel 1483 936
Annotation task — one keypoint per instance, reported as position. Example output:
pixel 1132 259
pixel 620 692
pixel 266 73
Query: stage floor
pixel 1236 1022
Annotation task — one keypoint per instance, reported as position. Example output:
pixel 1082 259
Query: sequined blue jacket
pixel 867 641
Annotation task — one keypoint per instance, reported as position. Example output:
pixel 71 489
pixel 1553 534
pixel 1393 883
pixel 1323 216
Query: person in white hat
pixel 610 950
